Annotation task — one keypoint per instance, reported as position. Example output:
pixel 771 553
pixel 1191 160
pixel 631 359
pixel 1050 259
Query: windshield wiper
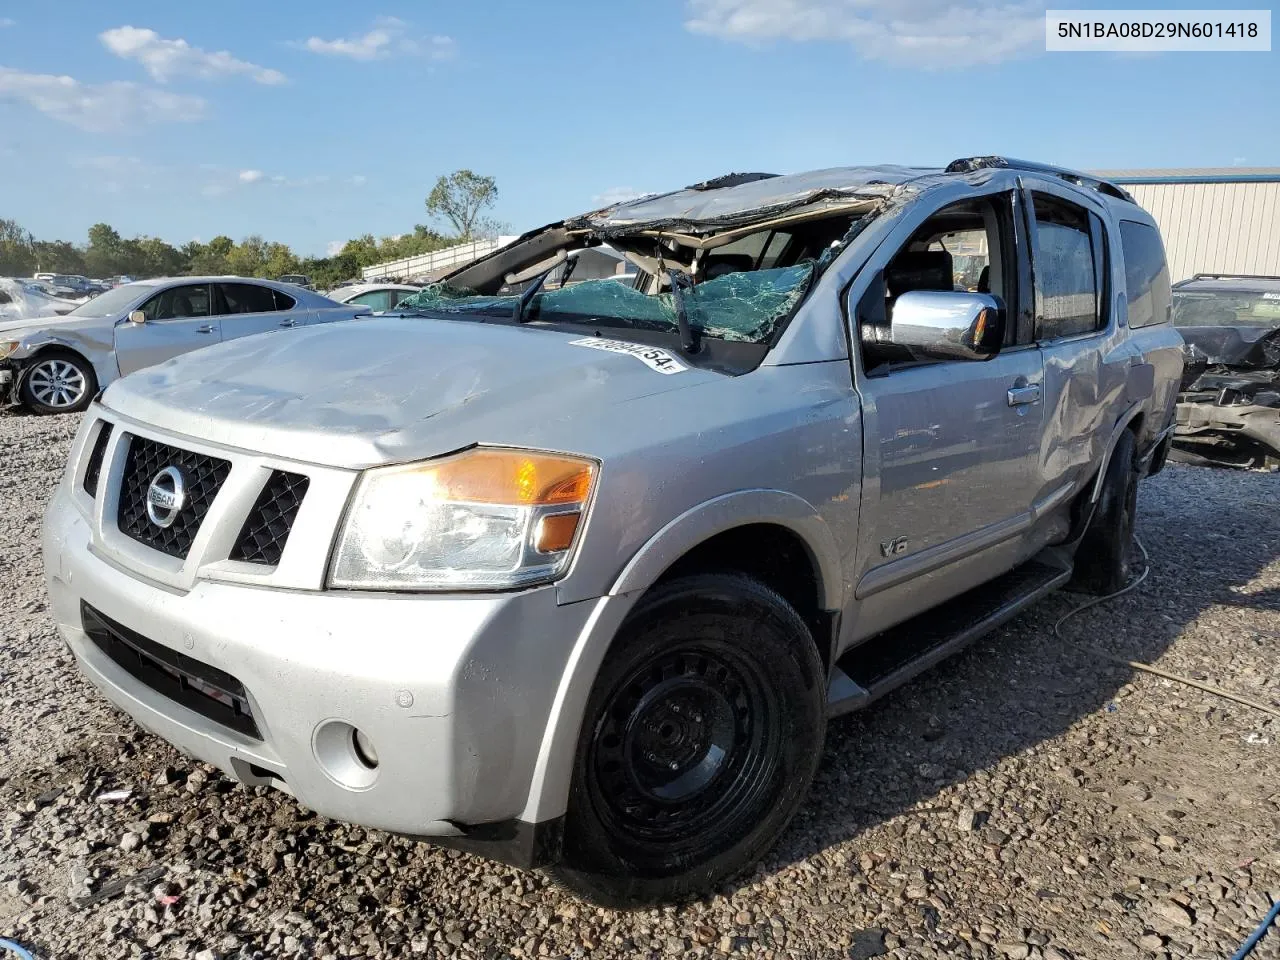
pixel 522 306
pixel 689 342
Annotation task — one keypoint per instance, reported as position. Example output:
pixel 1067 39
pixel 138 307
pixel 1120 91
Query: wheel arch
pixel 53 346
pixel 774 514
pixel 1131 419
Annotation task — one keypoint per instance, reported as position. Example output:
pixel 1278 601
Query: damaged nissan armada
pixel 573 575
pixel 1228 412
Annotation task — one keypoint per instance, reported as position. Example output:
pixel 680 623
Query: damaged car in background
pixel 1228 410
pixel 56 364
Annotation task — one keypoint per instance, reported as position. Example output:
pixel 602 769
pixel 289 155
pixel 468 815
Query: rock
pixel 130 841
pixel 1175 914
pixel 867 944
pixel 1151 942
pixel 1014 951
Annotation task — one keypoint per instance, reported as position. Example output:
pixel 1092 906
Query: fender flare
pixel 548 796
pixel 1122 424
pixel 724 513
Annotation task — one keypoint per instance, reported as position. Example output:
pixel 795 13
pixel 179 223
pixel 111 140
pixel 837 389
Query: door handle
pixel 1020 395
pixel 205 329
pixel 288 323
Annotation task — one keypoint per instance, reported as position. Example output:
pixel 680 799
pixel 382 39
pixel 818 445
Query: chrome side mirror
pixel 945 325
pixel 138 317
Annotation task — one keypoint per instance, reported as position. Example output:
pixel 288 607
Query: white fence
pixel 437 260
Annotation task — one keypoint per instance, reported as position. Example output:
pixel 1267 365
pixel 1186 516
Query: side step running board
pixel 889 659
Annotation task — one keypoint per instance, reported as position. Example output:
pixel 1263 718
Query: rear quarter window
pixel 1146 274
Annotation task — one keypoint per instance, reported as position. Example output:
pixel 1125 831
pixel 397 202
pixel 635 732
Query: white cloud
pixel 165 59
pixel 250 176
pixel 334 247
pixel 388 37
pixel 618 195
pixel 925 33
pixel 98 108
pixel 358 180
pixel 7 22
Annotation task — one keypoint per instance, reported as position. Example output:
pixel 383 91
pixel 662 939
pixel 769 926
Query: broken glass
pixel 744 306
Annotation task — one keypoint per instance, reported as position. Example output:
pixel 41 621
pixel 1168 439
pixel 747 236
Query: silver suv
pixel 575 578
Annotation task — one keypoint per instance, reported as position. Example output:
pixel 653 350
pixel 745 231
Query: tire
pixel 1102 560
pixel 700 739
pixel 58 381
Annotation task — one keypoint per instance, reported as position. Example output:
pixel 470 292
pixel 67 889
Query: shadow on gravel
pixel 1020 686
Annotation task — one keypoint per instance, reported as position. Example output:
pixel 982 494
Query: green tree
pixel 103 256
pixel 16 256
pixel 280 260
pixel 209 259
pixel 56 256
pixel 460 199
pixel 248 258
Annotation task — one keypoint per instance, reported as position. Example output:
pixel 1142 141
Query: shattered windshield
pixel 1234 309
pixel 744 306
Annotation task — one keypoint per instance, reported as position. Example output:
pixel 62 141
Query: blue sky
pixel 311 122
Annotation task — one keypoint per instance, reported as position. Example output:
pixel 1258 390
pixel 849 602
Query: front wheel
pixel 58 382
pixel 700 739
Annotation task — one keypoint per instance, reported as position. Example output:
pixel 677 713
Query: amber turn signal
pixel 555 533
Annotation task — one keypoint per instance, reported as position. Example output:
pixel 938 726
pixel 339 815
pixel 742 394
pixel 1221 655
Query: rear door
pixel 179 319
pixel 951 448
pixel 249 308
pixel 1087 357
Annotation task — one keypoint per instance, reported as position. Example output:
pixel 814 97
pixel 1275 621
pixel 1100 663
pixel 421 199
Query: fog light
pixel 345 754
pixel 364 749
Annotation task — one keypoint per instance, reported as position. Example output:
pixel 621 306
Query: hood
pixel 390 389
pixel 1247 346
pixel 29 326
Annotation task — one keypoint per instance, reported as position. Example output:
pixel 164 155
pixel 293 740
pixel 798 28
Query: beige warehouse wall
pixel 1223 227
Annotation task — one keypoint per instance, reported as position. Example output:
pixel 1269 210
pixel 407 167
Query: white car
pixel 56 365
pixel 376 296
pixel 26 299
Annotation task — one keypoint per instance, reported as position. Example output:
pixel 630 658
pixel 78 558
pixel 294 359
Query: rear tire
pixel 1102 560
pixel 58 381
pixel 700 739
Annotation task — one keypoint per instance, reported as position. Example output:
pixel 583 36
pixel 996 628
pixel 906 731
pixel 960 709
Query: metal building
pixel 1214 220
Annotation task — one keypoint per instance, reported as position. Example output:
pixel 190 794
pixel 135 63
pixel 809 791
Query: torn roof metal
pixel 707 207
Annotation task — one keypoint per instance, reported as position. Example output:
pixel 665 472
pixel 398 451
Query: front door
pixel 951 448
pixel 179 320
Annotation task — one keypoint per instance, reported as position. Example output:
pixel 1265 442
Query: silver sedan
pixel 57 364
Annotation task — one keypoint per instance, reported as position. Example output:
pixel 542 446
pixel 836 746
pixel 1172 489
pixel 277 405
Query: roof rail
pixel 1234 276
pixel 970 164
pixel 1227 276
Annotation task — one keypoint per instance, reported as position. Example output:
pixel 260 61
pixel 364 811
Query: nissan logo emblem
pixel 166 497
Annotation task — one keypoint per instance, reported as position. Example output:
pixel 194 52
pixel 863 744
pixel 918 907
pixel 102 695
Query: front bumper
pixel 455 693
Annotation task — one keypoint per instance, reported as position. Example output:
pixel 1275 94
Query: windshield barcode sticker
pixel 664 361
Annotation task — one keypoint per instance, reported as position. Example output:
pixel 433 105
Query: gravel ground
pixel 1023 800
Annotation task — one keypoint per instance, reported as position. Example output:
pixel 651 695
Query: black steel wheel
pixel 701 737
pixel 1102 559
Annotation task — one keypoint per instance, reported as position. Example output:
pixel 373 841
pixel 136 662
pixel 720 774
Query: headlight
pixel 8 347
pixel 488 517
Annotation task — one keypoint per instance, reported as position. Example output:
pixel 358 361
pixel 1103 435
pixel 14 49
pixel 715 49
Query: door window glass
pixel 246 298
pixel 1065 270
pixel 283 300
pixel 959 248
pixel 375 299
pixel 1146 274
pixel 178 303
